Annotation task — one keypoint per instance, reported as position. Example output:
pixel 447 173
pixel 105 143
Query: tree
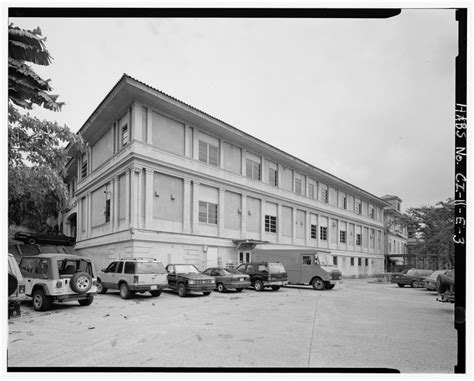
pixel 435 226
pixel 25 87
pixel 36 148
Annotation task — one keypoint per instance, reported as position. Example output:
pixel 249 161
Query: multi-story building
pixel 163 179
pixel 396 235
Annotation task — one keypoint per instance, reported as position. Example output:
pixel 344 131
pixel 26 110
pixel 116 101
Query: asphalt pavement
pixel 355 325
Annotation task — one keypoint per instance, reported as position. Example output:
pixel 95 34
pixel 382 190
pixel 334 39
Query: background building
pixel 163 179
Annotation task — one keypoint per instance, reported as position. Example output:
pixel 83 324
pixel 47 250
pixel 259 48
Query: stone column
pixel 187 205
pixel 221 213
pixel 149 198
pixel 243 216
pixel 127 197
pixel 279 222
pixel 140 199
pixel 89 215
pixel 115 203
pixel 195 207
pixel 262 219
pixel 293 230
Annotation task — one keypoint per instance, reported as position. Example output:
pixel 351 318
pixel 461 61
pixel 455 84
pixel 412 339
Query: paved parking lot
pixel 358 324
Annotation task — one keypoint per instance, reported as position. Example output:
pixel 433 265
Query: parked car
pixel 58 278
pixel 265 274
pixel 412 277
pixel 228 278
pixel 186 278
pixel 131 275
pixel 48 237
pixel 16 287
pixel 445 287
pixel 430 281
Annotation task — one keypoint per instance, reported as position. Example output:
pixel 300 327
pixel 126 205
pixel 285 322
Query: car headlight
pixel 213 280
pixel 192 282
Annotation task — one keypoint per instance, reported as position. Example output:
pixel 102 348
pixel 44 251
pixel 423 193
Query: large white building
pixel 163 179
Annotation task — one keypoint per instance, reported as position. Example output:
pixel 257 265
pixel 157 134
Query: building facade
pixel 163 179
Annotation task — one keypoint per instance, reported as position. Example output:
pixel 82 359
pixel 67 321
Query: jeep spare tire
pixel 441 284
pixel 81 282
pixel 12 283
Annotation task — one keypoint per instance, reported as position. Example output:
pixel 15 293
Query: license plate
pixel 153 287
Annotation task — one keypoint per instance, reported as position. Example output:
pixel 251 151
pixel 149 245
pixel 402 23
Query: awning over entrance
pixel 247 244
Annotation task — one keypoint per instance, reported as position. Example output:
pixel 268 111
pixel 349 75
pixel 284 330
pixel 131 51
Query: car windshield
pixel 325 259
pixel 186 269
pixel 149 268
pixel 276 268
pixel 229 271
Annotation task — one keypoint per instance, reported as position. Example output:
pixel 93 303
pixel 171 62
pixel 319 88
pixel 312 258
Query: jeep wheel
pixel 258 285
pixel 318 284
pixel 155 293
pixel 275 288
pixel 206 293
pixel 124 291
pixel 182 290
pixel 31 241
pixel 81 282
pixel 400 285
pixel 100 287
pixel 239 289
pixel 41 302
pixel 220 287
pixel 86 302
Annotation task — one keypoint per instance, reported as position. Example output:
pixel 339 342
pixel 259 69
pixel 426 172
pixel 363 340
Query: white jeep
pixel 58 278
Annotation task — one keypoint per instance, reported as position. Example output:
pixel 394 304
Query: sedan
pixel 430 281
pixel 48 237
pixel 412 277
pixel 228 278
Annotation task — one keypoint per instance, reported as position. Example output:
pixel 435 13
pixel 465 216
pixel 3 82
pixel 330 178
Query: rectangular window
pixel 352 261
pixel 334 261
pixel 344 201
pixel 325 196
pixel 124 135
pixel 358 239
pixel 306 259
pixel 359 261
pixel 107 210
pixel 273 177
pixel 311 190
pixel 366 262
pixel 371 212
pixel 342 236
pixel 208 153
pixel 84 168
pixel 298 186
pixel 270 224
pixel 314 230
pixel 253 169
pixel 207 212
pixel 323 233
pixel 129 267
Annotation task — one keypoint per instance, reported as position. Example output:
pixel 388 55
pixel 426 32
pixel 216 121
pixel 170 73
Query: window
pixel 352 261
pixel 371 212
pixel 325 196
pixel 344 202
pixel 342 236
pixel 314 234
pixel 298 186
pixel 111 267
pixel 124 135
pixel 84 168
pixel 253 169
pixel 107 210
pixel 359 261
pixel 323 233
pixel 129 267
pixel 358 207
pixel 358 239
pixel 273 177
pixel 334 261
pixel 270 224
pixel 306 259
pixel 311 190
pixel 366 262
pixel 208 153
pixel 207 212
pixel 119 268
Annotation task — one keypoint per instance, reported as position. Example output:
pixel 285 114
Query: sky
pixel 369 101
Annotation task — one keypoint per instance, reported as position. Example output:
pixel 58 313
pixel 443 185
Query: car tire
pixel 155 293
pixel 86 302
pixel 441 284
pixel 125 291
pixel 182 290
pixel 413 284
pixel 318 284
pixel 400 285
pixel 31 241
pixel 221 287
pixel 206 293
pixel 100 287
pixel 41 302
pixel 239 289
pixel 80 282
pixel 275 288
pixel 258 285
pixel 12 283
pixel 330 286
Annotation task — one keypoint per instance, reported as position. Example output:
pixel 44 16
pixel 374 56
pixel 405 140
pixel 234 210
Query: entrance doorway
pixel 244 256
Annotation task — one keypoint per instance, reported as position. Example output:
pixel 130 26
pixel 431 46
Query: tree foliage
pixel 435 227
pixel 25 87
